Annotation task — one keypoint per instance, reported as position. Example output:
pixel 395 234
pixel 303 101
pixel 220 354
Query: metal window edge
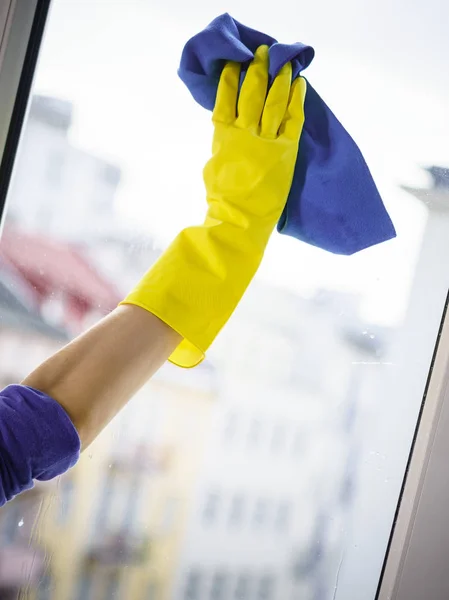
pixel 20 43
pixel 427 430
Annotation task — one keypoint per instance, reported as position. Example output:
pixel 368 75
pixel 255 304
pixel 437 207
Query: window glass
pixel 254 432
pixel 193 586
pixel 85 586
pixel 242 588
pixel 112 586
pixel 230 427
pixel 11 524
pixel 237 509
pixel 282 516
pixel 273 469
pixel 152 592
pixel 260 513
pixel 170 508
pixel 218 586
pixel 211 507
pixel 44 588
pixel 266 587
pixel 66 499
pixel 278 437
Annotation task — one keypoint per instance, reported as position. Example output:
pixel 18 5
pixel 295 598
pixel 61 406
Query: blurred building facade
pixel 115 525
pixel 58 189
pixel 26 339
pixel 280 468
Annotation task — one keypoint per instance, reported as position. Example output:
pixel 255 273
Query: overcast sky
pixel 381 68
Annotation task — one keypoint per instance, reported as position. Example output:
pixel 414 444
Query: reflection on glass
pixel 271 471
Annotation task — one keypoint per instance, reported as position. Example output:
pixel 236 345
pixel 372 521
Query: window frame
pixel 413 550
pixel 20 41
pixel 422 506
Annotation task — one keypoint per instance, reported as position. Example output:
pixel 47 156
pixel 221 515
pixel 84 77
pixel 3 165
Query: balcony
pixel 119 550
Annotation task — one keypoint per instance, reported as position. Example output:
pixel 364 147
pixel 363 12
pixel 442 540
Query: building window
pixel 298 445
pixel 133 498
pixel 55 166
pixel 255 432
pixel 111 174
pixel 151 591
pixel 85 585
pixel 283 516
pixel 237 510
pixel 242 587
pixel 107 497
pixel 169 515
pixel 211 506
pixel 260 513
pixel 112 587
pixel 66 493
pixel 230 427
pixel 278 438
pixel 266 588
pixel 193 585
pixel 218 587
pixel 43 591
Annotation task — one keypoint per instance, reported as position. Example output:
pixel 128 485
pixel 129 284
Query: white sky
pixel 381 68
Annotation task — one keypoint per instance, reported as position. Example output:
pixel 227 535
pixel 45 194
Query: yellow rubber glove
pixel 197 283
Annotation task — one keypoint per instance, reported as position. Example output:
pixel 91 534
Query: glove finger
pixel 277 102
pixel 294 117
pixel 225 110
pixel 254 90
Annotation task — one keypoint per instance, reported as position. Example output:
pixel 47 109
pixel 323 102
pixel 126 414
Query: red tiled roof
pixel 52 265
pixel 17 281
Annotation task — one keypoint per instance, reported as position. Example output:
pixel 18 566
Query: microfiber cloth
pixel 333 202
pixel 37 440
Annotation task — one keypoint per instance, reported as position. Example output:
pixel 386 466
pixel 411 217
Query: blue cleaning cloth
pixel 37 440
pixel 333 202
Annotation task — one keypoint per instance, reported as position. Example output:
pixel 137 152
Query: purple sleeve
pixel 37 440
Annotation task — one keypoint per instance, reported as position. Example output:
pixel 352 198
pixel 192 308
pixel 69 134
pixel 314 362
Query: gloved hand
pixel 197 283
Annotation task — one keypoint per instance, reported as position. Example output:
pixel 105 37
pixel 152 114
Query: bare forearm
pixel 96 374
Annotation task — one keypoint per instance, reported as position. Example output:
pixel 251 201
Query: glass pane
pixel 271 471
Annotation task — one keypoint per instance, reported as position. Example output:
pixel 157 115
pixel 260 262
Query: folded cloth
pixel 333 202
